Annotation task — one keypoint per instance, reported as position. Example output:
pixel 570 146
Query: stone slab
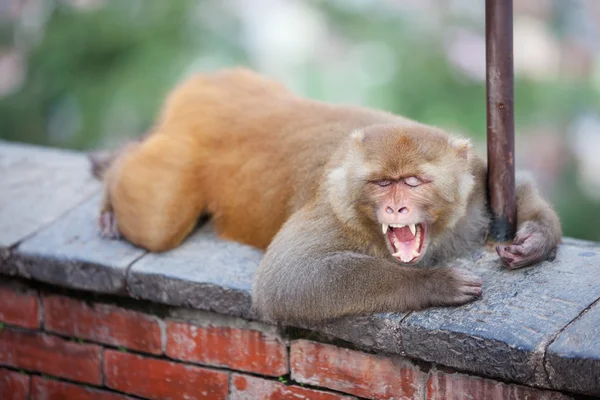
pixel 204 272
pixel 376 332
pixel 505 333
pixel 70 253
pixel 38 185
pixel 573 359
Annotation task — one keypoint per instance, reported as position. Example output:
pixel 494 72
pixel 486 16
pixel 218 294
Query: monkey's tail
pixel 100 161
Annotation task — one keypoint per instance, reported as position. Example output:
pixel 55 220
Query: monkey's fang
pixel 406 241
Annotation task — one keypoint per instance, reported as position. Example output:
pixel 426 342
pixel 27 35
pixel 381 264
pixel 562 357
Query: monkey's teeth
pixel 384 227
pixel 405 258
pixel 404 253
pixel 397 225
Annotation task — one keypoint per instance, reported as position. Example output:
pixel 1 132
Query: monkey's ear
pixel 357 136
pixel 462 146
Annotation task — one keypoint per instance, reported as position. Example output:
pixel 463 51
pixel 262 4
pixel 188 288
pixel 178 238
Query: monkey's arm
pixel 538 228
pixel 307 276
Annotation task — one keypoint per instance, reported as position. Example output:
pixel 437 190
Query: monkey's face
pixel 412 184
pixel 402 215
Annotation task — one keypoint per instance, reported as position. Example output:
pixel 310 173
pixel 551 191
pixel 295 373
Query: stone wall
pixel 60 346
pixel 87 318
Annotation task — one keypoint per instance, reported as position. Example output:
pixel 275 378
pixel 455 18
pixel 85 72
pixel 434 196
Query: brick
pixel 354 372
pixel 19 307
pixel 102 323
pixel 13 385
pixel 241 349
pixel 47 389
pixel 50 355
pixel 159 379
pixel 246 387
pixel 455 386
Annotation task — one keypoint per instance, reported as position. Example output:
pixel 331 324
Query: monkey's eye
pixel 413 181
pixel 383 183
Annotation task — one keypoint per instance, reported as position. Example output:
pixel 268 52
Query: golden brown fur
pixel 257 158
pixel 236 145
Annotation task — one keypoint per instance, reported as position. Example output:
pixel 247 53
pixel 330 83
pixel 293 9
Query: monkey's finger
pixel 521 238
pixel 508 258
pixel 468 278
pixel 475 283
pixel 472 290
pixel 503 252
pixel 517 250
pixel 515 261
pixel 532 253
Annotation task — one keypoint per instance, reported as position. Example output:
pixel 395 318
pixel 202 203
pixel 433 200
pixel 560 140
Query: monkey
pixel 357 209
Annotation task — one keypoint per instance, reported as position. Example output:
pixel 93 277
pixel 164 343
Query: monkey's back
pixel 259 151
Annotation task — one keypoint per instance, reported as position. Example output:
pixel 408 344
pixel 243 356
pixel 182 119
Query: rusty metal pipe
pixel 500 118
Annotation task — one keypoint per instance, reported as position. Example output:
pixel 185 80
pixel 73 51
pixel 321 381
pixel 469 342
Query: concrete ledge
pixel 205 273
pixel 537 326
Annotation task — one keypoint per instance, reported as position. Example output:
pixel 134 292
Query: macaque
pixel 357 209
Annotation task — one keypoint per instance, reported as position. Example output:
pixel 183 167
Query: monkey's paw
pixel 531 245
pixel 457 287
pixel 108 225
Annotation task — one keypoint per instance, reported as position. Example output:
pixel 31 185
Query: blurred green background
pixel 88 74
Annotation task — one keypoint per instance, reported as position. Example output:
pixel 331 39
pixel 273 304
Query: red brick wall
pixel 54 347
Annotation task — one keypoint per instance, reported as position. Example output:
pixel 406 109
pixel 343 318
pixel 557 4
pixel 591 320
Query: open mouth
pixel 406 241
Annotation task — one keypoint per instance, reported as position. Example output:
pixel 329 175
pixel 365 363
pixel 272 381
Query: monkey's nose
pixel 390 210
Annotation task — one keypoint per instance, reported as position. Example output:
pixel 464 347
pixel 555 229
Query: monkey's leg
pixel 154 196
pixel 317 287
pixel 101 163
pixel 538 229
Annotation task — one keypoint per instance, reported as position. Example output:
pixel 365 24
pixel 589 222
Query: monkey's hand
pixel 533 242
pixel 454 287
pixel 108 225
pixel 538 228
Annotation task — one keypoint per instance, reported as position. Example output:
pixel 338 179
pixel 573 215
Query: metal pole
pixel 500 118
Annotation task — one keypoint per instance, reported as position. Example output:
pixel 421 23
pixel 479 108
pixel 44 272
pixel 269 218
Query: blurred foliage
pixel 113 65
pixel 98 76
